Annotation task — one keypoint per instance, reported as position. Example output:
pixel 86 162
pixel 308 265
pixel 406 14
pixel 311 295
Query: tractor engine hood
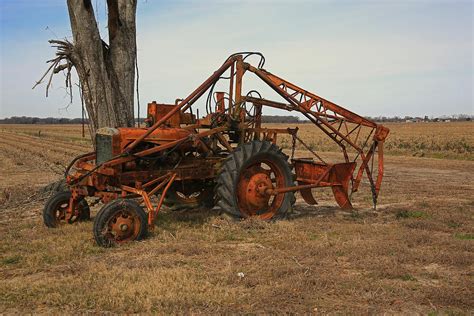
pixel 110 142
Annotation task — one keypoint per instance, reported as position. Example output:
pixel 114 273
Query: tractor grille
pixel 104 147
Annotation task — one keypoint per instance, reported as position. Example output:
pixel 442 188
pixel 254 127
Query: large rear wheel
pixel 247 177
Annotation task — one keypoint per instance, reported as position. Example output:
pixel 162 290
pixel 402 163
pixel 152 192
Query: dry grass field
pixel 413 255
pixel 434 140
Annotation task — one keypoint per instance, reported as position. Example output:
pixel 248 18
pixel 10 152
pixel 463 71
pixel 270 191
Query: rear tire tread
pixel 229 175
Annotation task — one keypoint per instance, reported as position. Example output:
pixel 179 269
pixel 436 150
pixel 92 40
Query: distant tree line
pixel 265 119
pixel 37 120
pixel 53 120
pixel 415 119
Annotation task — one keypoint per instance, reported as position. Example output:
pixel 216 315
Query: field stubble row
pixel 453 140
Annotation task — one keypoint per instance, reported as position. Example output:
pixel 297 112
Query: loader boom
pixel 338 123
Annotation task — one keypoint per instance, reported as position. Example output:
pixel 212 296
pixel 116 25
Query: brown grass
pixel 414 254
pixel 453 140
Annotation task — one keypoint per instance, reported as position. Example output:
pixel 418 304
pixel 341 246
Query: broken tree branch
pixel 64 50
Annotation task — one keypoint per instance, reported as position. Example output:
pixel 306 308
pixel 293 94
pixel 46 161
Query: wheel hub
pixel 122 226
pixel 62 212
pixel 252 190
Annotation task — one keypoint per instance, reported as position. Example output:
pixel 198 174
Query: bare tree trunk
pixel 106 71
pixel 123 45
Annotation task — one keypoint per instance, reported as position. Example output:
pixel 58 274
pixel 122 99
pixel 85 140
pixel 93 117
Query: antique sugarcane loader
pixel 225 158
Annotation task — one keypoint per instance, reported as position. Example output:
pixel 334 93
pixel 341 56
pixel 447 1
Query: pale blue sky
pixel 373 57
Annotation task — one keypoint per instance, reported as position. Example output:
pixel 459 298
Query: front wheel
pixel 246 178
pixel 119 222
pixel 55 210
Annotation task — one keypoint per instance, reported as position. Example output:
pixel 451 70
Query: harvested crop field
pixel 414 254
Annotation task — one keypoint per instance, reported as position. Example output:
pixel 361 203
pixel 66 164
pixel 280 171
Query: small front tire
pixel 55 210
pixel 119 222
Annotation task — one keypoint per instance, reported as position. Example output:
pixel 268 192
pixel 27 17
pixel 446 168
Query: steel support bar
pixel 162 198
pixel 297 106
pixel 316 183
pixel 183 105
pixel 118 161
pixel 346 114
pixel 378 183
pixel 286 107
pixel 156 180
pixel 156 149
pixel 363 167
pixel 266 77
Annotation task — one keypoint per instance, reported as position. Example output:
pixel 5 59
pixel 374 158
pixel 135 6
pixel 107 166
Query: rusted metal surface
pixel 124 226
pixel 253 186
pixel 310 174
pixel 186 103
pixel 341 125
pixel 160 203
pixel 178 146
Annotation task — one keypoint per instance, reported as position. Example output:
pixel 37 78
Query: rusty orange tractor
pixel 225 158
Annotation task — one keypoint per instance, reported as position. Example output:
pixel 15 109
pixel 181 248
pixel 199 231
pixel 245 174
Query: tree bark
pixel 106 71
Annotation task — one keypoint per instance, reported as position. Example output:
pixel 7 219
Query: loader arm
pixel 341 125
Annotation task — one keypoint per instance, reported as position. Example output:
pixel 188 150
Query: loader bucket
pixel 336 176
